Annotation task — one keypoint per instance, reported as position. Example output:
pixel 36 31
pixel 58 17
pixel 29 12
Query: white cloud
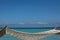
pixel 41 23
pixel 22 23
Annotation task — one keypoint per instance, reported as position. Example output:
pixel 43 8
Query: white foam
pixel 31 36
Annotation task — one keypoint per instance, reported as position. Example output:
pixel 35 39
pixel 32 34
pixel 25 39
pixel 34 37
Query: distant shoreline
pixel 33 27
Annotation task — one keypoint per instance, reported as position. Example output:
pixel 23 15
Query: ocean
pixel 32 30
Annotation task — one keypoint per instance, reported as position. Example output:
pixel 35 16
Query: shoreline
pixel 32 27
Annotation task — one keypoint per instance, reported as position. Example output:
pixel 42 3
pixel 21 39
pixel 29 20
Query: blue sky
pixel 16 11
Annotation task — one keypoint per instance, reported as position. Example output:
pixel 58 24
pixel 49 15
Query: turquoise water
pixel 53 37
